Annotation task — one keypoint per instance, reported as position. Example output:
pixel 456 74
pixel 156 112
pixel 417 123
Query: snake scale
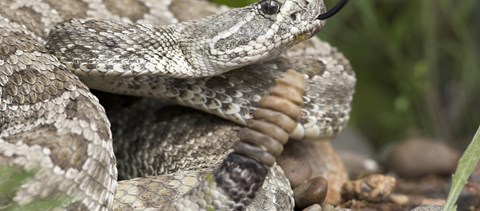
pixel 173 50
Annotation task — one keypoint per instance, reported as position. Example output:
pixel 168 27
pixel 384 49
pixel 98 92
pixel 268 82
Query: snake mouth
pixel 332 11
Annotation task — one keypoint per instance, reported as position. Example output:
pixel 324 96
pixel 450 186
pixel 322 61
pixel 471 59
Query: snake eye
pixel 269 7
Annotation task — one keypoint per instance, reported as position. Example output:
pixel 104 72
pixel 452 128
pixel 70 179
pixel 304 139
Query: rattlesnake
pixel 41 100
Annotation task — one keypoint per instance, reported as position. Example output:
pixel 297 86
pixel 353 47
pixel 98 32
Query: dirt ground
pixel 429 190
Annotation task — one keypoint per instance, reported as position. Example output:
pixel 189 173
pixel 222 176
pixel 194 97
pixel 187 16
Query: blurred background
pixel 417 66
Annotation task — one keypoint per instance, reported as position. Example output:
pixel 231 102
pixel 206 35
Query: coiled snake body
pixel 49 119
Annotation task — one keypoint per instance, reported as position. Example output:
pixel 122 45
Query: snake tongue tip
pixel 333 11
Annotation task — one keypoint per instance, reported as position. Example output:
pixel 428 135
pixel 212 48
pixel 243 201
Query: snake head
pixel 253 34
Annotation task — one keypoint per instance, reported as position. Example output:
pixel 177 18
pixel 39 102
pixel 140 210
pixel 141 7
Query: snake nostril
pixel 295 17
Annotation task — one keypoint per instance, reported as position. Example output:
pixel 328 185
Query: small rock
pixel 297 172
pixel 373 188
pixel 323 160
pixel 314 207
pixel 311 192
pixel 428 208
pixel 419 157
pixel 399 199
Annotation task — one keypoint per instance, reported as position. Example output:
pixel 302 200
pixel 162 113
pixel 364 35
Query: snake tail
pixel 245 169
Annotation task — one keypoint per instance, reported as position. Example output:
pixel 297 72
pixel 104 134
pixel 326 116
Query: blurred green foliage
pixel 11 179
pixel 417 64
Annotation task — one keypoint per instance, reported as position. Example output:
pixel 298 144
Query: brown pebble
pixel 419 157
pixel 311 192
pixel 324 161
pixel 296 171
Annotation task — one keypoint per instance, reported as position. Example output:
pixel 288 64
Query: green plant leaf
pixel 466 166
